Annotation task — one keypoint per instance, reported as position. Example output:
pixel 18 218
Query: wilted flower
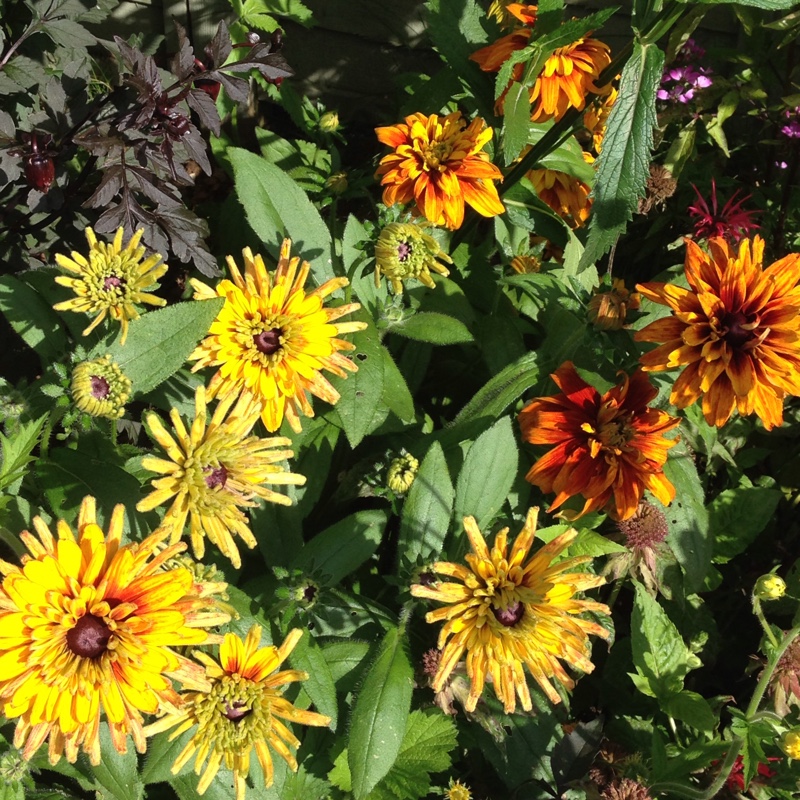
pixel 509 610
pixel 100 388
pixel 111 281
pixel 439 164
pixel 659 186
pixel 608 448
pixel 785 684
pixel 607 310
pixel 404 251
pixel 625 789
pixel 732 222
pixel 735 331
pixel 272 339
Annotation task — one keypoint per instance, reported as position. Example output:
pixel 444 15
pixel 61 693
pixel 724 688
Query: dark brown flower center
pixel 510 615
pixel 89 638
pixel 112 282
pixel 100 387
pixel 237 711
pixel 268 342
pixel 216 477
pixel 739 331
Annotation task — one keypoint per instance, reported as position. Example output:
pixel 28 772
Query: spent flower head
pixel 608 310
pixel 405 252
pixel 99 387
pixel 111 281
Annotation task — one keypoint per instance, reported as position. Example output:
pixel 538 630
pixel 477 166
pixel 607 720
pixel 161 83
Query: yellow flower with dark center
pixel 86 626
pixel 735 331
pixel 111 281
pixel 272 339
pixel 100 388
pixel 438 163
pixel 404 251
pixel 213 471
pixel 567 195
pixel 239 707
pixel 509 611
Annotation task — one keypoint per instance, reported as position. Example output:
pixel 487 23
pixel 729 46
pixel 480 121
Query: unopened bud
pixel 40 171
pixel 770 587
pixel 100 388
pixel 329 121
pixel 401 474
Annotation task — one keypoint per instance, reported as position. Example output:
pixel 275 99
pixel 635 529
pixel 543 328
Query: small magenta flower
pixel 683 77
pixel 731 222
pixel 791 130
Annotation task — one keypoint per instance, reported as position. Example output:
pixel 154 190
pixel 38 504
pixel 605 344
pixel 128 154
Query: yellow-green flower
pixel 404 251
pixel 790 744
pixel 111 281
pixel 239 707
pixel 509 611
pixel 458 791
pixel 272 339
pixel 213 471
pixel 401 473
pixel 769 587
pixel 329 122
pixel 100 388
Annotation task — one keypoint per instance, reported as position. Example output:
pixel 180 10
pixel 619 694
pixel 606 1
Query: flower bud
pixel 607 310
pixel 329 122
pixel 402 472
pixel 100 388
pixel 404 251
pixel 40 171
pixel 769 587
pixel 790 744
pixel 337 182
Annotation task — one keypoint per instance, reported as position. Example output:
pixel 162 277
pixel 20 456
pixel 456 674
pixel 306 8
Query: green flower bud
pixel 404 251
pixel 770 587
pixel 402 472
pixel 100 388
pixel 329 121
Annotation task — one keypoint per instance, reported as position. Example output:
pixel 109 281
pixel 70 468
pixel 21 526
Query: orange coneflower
pixel 608 448
pixel 736 330
pixel 567 195
pixel 439 165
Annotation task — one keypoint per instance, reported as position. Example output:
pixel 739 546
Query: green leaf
pixel 159 342
pixel 430 326
pixel 276 207
pixel 687 517
pixel 32 318
pixel 767 5
pixel 117 775
pixel 691 708
pixel 428 508
pixel 16 450
pixel 660 655
pixel 68 33
pixel 308 657
pixel 344 659
pixel 516 119
pixel 502 390
pixel 161 755
pixel 362 392
pixel 487 474
pixel 342 548
pixel 680 150
pixel 624 163
pixel 396 394
pixel 379 715
pixel 737 516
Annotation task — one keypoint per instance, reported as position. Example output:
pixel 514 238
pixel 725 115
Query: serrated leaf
pixel 737 516
pixel 342 548
pixel 361 393
pixel 117 774
pixel 159 342
pixel 308 657
pixel 276 207
pixel 379 716
pixel 16 450
pixel 68 33
pixel 32 318
pixel 428 508
pixel 660 655
pixel 487 475
pixel 623 166
pixel 433 327
pixel 516 121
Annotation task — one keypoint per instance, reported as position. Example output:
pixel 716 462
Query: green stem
pixel 759 612
pixel 766 675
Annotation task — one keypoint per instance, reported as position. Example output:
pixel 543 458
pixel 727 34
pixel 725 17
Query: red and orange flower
pixel 608 448
pixel 567 195
pixel 735 330
pixel 438 164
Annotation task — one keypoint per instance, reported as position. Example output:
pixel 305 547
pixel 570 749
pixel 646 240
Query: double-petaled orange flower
pixel 567 195
pixel 568 75
pixel 438 164
pixel 608 448
pixel 736 330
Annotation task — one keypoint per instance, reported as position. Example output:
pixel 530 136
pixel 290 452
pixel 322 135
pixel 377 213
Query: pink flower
pixel 732 222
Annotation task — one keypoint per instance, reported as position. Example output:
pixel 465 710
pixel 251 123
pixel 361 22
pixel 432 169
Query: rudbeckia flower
pixel 608 448
pixel 86 626
pixel 438 163
pixel 735 331
pixel 212 471
pixel 239 707
pixel 507 610
pixel 111 281
pixel 272 339
pixel 405 252
pixel 567 195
